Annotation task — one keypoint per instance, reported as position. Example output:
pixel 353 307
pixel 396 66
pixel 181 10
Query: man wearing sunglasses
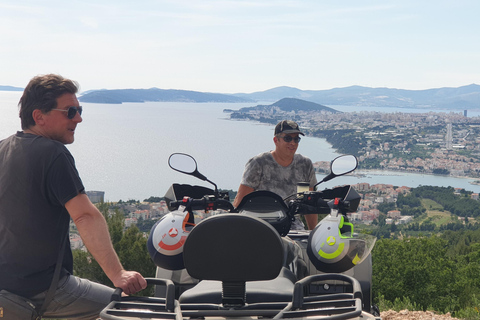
pixel 40 190
pixel 280 170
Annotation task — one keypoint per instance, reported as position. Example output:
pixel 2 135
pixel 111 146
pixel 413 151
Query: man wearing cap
pixel 279 170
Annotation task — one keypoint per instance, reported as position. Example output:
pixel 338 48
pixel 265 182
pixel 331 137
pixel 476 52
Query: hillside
pixel 266 113
pixel 414 315
pixel 154 94
pixel 291 104
pixel 10 88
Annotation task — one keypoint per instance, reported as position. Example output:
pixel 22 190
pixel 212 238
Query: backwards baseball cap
pixel 287 126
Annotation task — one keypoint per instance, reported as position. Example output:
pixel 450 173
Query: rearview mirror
pixel 341 165
pixel 344 164
pixel 183 163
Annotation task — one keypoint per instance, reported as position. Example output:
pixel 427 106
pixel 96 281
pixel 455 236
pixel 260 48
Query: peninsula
pixel 430 143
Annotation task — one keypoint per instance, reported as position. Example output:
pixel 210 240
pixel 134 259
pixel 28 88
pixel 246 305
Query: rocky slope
pixel 414 315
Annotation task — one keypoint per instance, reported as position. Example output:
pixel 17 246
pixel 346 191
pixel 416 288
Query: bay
pixel 123 149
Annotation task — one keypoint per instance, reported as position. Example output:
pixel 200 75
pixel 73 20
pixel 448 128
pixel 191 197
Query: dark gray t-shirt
pixel 37 177
pixel 262 172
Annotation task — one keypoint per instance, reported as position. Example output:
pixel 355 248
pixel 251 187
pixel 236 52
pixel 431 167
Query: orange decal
pixel 173 232
pixel 172 247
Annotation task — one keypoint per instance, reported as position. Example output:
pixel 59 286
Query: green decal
pixel 334 254
pixel 356 259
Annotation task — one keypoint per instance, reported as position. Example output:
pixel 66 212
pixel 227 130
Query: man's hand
pixel 130 282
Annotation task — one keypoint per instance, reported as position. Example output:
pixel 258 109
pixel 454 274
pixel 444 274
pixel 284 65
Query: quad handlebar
pixel 208 202
pixel 344 199
pixel 304 203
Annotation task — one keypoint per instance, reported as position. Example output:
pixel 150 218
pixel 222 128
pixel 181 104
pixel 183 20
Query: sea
pixel 123 149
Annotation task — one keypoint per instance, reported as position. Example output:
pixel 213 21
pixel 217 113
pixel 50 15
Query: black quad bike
pixel 245 262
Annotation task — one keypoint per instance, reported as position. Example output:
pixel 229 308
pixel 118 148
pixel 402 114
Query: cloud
pixel 89 22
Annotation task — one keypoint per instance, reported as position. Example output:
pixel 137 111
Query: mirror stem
pixel 216 188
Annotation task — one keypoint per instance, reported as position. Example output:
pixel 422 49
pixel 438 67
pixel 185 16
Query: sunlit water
pixel 123 149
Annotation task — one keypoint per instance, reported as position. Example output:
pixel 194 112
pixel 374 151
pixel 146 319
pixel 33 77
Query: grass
pixel 431 205
pixel 436 213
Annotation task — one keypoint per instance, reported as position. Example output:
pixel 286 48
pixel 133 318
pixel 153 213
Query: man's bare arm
pixel 312 219
pixel 243 190
pixel 94 232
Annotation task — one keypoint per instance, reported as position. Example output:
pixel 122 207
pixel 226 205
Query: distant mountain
pixel 275 94
pixel 290 104
pixel 10 88
pixel 155 94
pixel 466 97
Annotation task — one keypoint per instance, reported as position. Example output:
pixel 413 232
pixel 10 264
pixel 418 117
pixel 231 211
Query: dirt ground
pixel 414 315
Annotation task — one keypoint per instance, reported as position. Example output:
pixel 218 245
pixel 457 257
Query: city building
pixel 96 196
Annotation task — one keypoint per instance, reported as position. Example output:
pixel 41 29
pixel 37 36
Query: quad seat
pixel 238 260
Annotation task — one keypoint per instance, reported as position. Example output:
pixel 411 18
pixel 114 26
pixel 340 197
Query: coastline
pixel 396 173
pixel 409 179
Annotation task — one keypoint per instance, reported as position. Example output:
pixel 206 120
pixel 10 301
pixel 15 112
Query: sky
pixel 231 46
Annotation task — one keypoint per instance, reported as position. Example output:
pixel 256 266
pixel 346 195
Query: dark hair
pixel 42 93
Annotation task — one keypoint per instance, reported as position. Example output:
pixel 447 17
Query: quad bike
pixel 246 262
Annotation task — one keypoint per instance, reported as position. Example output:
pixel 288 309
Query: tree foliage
pixel 154 199
pixel 132 252
pixel 385 207
pixel 408 200
pixel 459 204
pixel 145 225
pixel 344 140
pixel 437 272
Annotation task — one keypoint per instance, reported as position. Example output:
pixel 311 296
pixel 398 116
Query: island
pixel 155 94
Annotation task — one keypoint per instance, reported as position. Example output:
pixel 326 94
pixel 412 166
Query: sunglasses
pixel 289 139
pixel 71 111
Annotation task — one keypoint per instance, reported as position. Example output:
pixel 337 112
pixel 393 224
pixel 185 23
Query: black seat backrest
pixel 233 248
